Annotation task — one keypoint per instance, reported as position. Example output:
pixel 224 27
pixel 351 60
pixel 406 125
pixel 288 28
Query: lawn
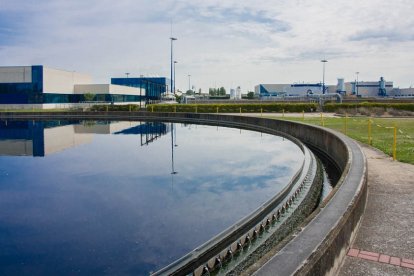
pixel 382 132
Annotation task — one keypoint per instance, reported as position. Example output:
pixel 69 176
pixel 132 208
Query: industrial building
pixel 42 87
pixel 156 87
pixel 288 90
pixel 380 88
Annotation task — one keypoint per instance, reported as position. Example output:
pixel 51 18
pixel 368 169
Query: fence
pixel 393 136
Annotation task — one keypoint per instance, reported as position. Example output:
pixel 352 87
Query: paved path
pixel 384 244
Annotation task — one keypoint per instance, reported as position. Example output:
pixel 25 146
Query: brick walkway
pixel 381 258
pixel 384 244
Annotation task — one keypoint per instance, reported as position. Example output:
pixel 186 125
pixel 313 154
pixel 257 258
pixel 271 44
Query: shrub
pixel 234 108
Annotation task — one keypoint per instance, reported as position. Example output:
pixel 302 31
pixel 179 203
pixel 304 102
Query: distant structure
pixel 232 94
pixel 381 88
pixel 238 93
pixel 288 90
pixel 341 86
pixel 370 88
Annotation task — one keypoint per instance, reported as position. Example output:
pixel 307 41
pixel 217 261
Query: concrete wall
pixel 62 82
pixel 108 89
pixel 16 74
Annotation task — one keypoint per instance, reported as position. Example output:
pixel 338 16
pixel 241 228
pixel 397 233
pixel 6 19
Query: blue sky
pixel 220 43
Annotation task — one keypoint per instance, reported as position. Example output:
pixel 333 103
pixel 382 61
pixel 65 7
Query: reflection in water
pixel 104 205
pixel 39 138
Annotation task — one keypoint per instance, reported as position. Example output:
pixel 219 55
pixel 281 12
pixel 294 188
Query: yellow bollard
pixel 195 109
pixel 322 123
pixel 175 109
pixel 394 146
pixel 240 110
pixel 152 108
pixel 303 115
pixel 217 109
pixel 369 132
pixel 261 112
pixel 346 123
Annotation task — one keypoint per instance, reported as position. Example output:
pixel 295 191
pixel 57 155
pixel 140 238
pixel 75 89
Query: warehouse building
pixel 42 87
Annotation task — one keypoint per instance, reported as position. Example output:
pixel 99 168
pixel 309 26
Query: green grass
pixel 382 132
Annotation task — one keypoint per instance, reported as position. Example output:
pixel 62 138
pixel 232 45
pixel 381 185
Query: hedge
pixel 234 108
pixel 333 107
pixel 126 107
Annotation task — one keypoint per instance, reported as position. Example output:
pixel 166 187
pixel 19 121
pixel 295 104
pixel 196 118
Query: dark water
pixel 127 197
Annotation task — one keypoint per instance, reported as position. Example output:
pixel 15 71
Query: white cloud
pixel 220 43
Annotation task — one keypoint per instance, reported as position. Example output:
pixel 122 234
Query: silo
pixel 341 86
pixel 238 93
pixel 232 94
pixel 382 91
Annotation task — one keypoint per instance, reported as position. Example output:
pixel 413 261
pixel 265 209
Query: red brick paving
pixel 407 265
pixel 395 261
pixel 382 258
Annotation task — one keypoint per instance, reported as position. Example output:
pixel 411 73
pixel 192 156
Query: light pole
pixel 172 81
pixel 323 75
pixel 127 74
pixel 140 90
pixel 175 62
pixel 356 83
pixel 189 82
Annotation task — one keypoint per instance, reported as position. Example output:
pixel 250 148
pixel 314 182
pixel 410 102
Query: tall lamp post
pixel 323 75
pixel 140 90
pixel 172 81
pixel 175 62
pixel 356 83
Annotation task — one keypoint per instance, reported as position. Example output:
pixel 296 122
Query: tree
pixel 189 92
pixel 221 91
pixel 88 97
pixel 250 95
pixel 212 91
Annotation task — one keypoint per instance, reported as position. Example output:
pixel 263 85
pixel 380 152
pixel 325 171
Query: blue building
pixel 156 87
pixel 43 87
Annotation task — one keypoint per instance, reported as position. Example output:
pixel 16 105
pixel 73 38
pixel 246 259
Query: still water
pixel 95 198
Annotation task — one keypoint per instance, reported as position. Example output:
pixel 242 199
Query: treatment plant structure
pixel 380 88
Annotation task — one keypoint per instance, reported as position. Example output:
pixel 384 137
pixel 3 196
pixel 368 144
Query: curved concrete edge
pixel 322 244
pixel 319 248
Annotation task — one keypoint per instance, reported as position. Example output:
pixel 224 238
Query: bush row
pixel 234 108
pixel 126 107
pixel 334 107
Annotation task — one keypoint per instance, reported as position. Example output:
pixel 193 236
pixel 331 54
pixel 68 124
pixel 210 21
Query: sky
pixel 219 43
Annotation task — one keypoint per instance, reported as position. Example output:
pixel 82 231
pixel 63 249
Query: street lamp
pixel 127 74
pixel 172 81
pixel 356 83
pixel 175 62
pixel 140 90
pixel 323 76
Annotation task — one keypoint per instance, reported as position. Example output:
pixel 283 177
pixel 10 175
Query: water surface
pixel 127 197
